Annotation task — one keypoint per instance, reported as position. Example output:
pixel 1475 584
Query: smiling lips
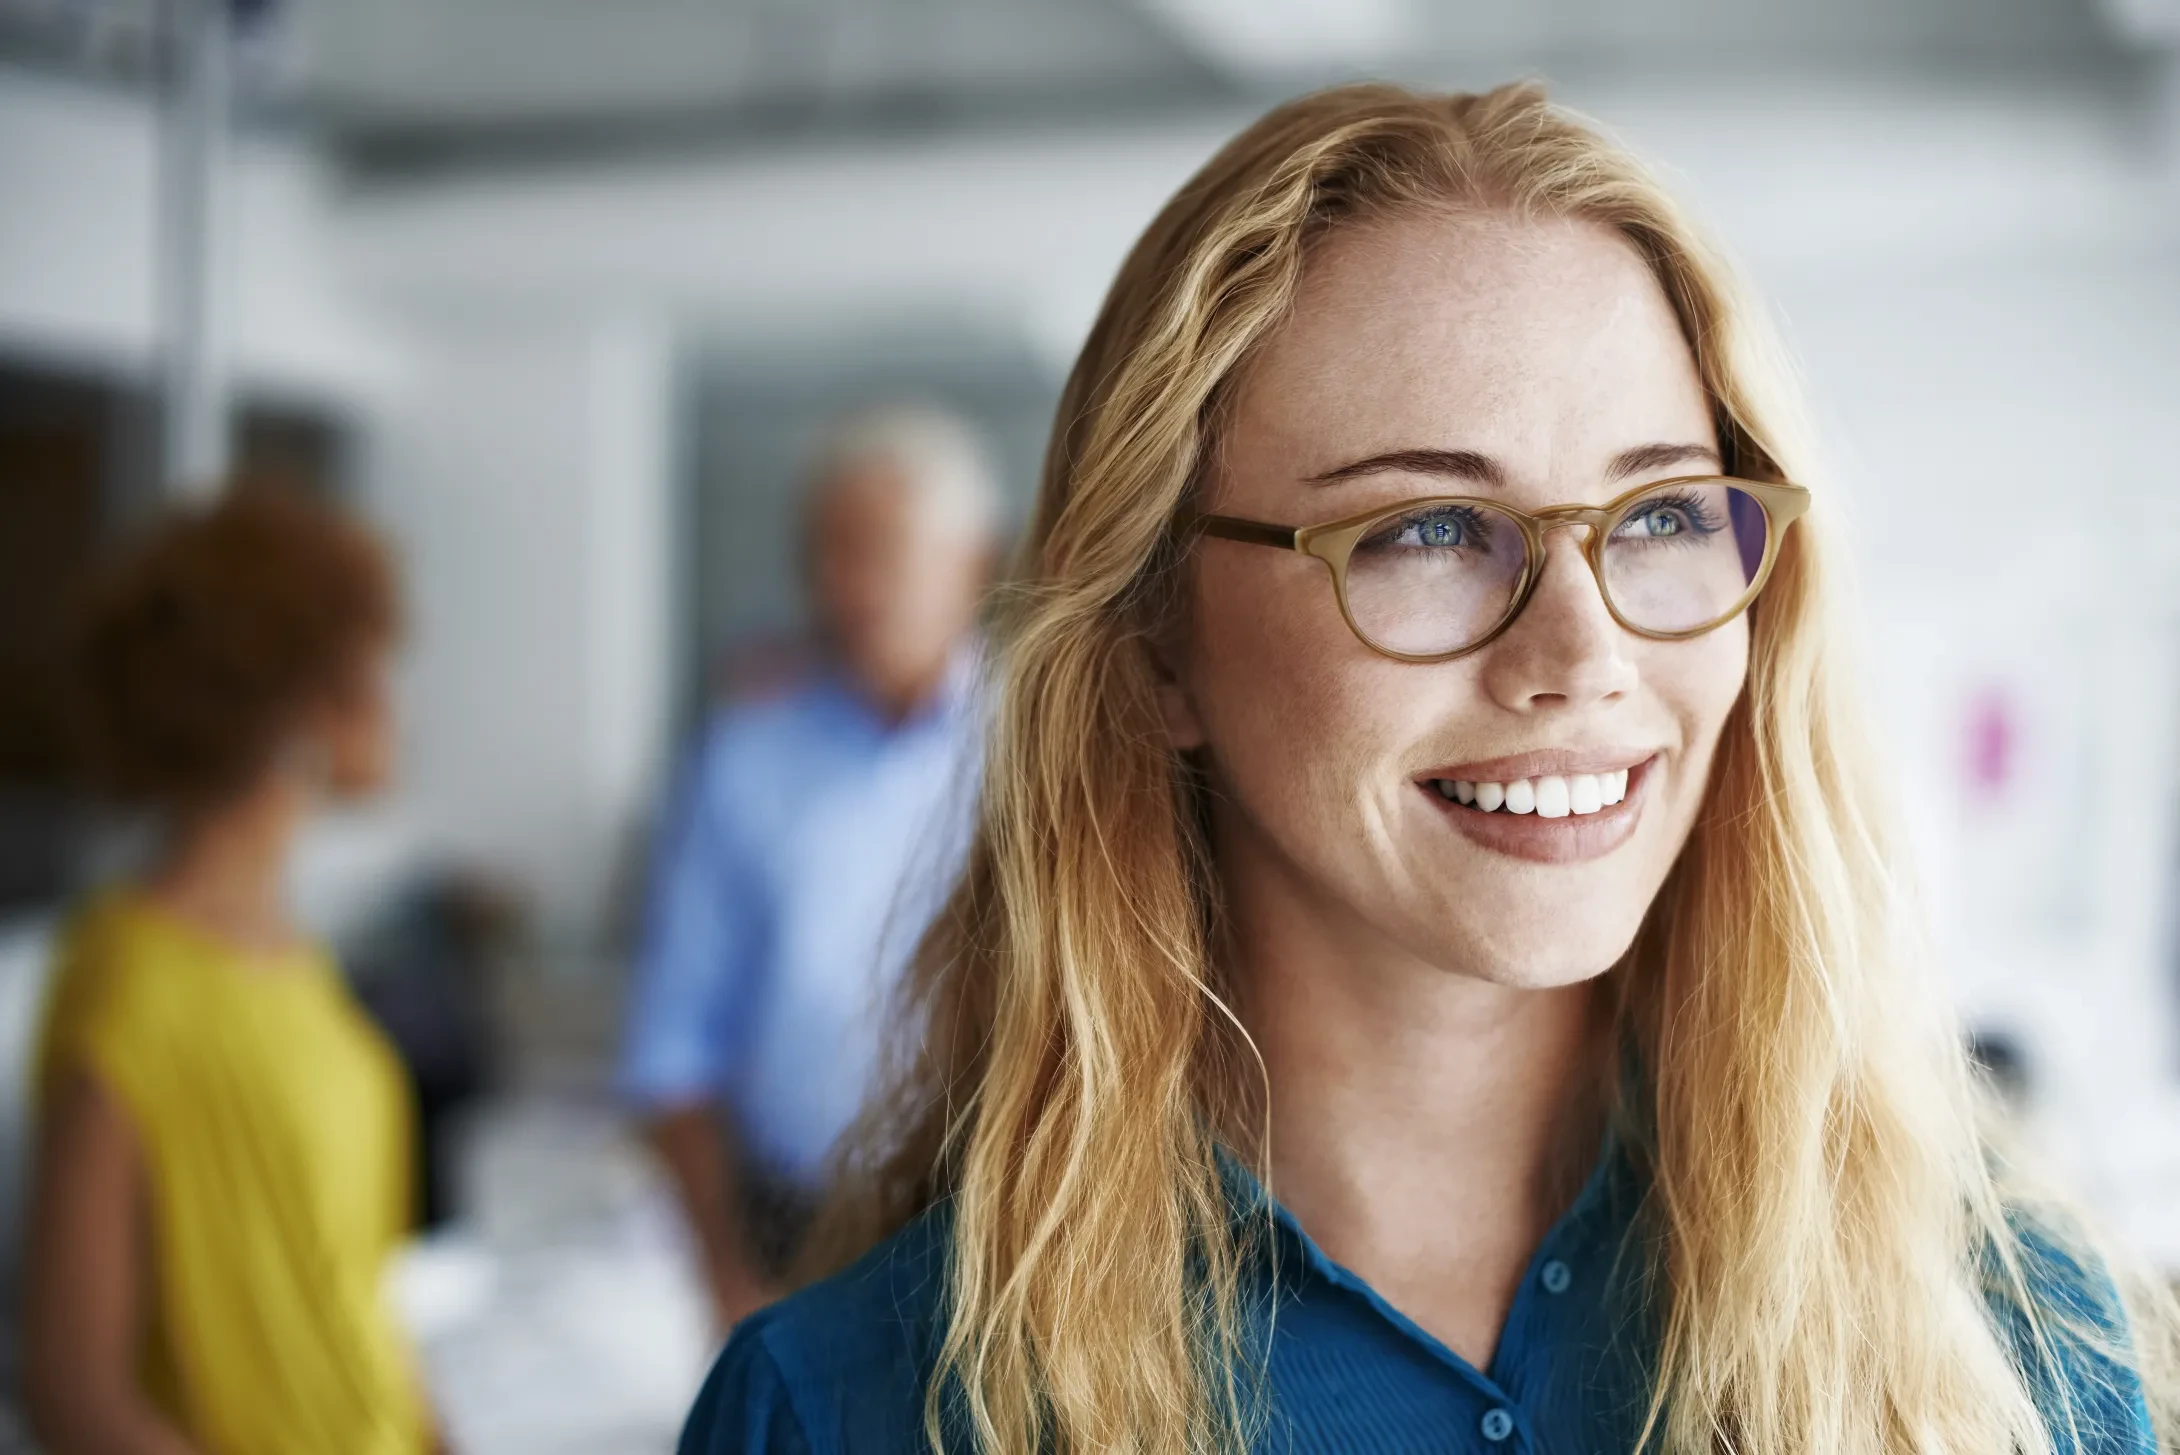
pixel 1545 817
pixel 1547 796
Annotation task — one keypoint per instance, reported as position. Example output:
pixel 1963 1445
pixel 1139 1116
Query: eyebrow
pixel 1657 457
pixel 1460 464
pixel 1482 469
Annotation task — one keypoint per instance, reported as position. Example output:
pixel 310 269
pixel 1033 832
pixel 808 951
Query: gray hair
pixel 939 453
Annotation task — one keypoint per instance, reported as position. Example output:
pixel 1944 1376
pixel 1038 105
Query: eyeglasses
pixel 1433 579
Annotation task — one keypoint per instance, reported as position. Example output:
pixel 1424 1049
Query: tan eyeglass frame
pixel 1334 543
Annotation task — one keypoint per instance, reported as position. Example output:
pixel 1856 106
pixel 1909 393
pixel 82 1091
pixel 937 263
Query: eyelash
pixel 1475 530
pixel 1701 519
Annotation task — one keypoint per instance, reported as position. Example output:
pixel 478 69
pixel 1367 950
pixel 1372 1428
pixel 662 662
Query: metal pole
pixel 193 248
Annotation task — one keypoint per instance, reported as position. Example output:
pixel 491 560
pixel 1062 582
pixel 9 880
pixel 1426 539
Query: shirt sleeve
pixel 699 949
pixel 744 1407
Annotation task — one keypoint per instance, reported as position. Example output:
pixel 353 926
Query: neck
pixel 1427 1127
pixel 224 870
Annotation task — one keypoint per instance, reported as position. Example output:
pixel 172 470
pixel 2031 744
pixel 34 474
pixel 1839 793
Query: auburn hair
pixel 205 635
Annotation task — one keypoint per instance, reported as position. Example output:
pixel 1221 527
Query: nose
pixel 1564 650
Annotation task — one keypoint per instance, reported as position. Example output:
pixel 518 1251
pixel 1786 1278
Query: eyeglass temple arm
pixel 1255 532
pixel 1786 503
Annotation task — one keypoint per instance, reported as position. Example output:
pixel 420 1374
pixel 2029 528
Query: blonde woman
pixel 1430 975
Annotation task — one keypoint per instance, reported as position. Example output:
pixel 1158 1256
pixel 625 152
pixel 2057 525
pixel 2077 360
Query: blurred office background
pixel 562 295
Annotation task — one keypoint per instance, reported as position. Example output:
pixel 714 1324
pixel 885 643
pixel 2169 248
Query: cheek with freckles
pixel 1698 682
pixel 1303 723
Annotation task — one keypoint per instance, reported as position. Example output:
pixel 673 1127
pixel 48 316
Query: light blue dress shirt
pixel 808 845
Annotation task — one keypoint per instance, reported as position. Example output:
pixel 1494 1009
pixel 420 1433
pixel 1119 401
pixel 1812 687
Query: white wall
pixel 78 248
pixel 1838 178
pixel 526 476
pixel 1996 429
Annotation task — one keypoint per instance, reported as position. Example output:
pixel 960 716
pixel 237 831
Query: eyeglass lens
pixel 1440 577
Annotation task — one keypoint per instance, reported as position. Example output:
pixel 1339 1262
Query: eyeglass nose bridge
pixel 1551 517
pixel 1539 525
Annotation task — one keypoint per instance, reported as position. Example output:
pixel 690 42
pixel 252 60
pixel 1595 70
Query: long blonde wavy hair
pixel 1830 1252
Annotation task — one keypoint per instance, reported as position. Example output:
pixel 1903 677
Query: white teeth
pixel 1551 796
pixel 1548 796
pixel 1584 793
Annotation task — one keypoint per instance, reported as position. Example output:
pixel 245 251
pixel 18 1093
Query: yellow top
pixel 274 1125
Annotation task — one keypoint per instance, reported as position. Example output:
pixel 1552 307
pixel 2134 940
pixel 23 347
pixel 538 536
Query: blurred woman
pixel 223 1156
pixel 1432 975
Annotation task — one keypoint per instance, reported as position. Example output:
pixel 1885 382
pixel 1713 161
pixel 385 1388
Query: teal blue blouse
pixel 841 1368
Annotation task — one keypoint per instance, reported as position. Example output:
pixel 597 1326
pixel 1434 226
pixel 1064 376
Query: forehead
pixel 1543 343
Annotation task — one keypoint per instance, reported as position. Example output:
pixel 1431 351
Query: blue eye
pixel 1667 517
pixel 1439 528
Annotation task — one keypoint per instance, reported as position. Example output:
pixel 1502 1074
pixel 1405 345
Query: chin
pixel 1531 920
pixel 1550 974
pixel 1547 944
pixel 1540 967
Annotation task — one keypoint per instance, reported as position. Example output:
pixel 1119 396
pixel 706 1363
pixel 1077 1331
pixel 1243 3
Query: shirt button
pixel 1498 1424
pixel 1556 1276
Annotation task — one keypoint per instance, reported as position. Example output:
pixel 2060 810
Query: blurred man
pixel 815 833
